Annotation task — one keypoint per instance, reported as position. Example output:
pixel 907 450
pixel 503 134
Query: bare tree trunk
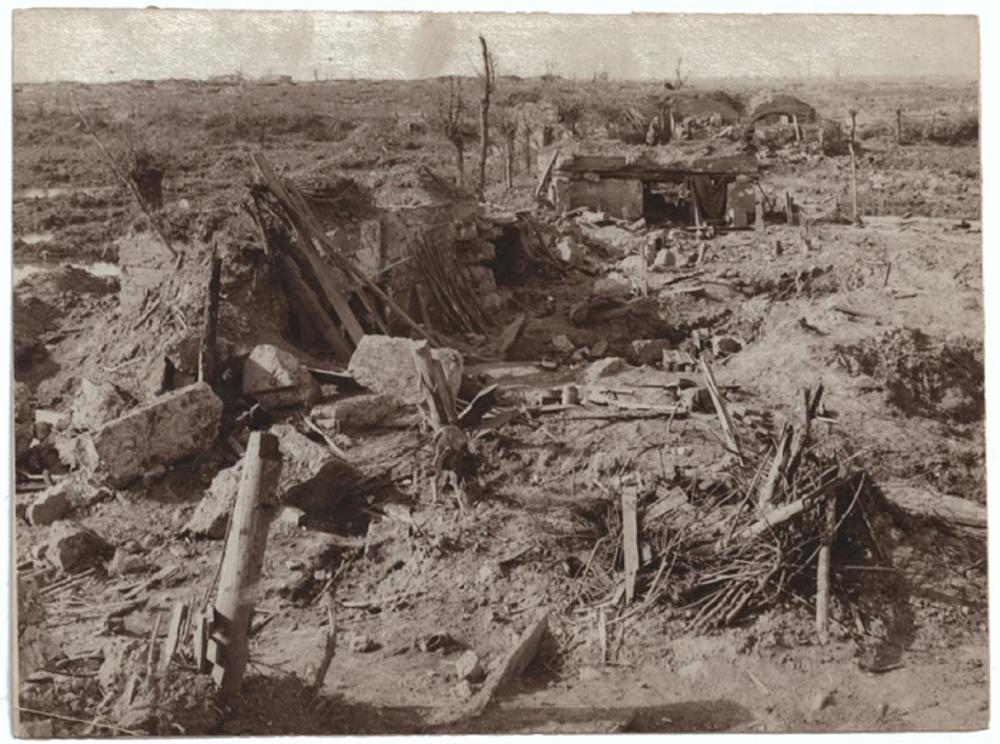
pixel 484 114
pixel 460 162
pixel 527 148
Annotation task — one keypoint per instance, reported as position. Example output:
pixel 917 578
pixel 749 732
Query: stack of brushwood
pixel 759 533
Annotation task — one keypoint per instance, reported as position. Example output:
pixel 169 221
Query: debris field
pixel 664 413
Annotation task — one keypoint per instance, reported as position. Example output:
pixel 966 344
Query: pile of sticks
pixel 449 285
pixel 763 533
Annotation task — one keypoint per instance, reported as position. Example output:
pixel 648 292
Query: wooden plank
pixel 315 265
pixel 630 541
pixel 823 573
pixel 317 315
pixel 720 409
pixel 766 493
pixel 242 560
pixel 177 618
pixel 521 654
pixel 543 180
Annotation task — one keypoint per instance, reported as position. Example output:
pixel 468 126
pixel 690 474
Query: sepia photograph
pixel 398 373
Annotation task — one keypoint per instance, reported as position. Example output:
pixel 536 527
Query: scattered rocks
pixel 210 516
pixel 277 379
pixel 384 364
pixel 563 344
pixel 125 562
pixel 726 345
pixel 647 350
pixel 362 643
pixel 569 251
pixel 697 399
pixel 51 504
pixel 23 422
pixel 306 486
pixel 821 700
pixel 468 667
pixel 665 259
pixel 96 405
pixel 603 368
pixel 168 428
pixel 73 548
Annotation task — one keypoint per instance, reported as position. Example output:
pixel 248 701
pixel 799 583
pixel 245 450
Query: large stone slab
pixel 163 431
pixel 384 364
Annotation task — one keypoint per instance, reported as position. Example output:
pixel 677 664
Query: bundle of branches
pixel 759 532
pixel 450 285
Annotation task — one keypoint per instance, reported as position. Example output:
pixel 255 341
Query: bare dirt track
pixel 887 316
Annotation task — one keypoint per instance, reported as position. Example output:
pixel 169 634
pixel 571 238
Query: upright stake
pixel 823 573
pixel 854 187
pixel 243 557
pixel 210 326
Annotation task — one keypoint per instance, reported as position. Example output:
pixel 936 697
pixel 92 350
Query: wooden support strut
pixel 243 558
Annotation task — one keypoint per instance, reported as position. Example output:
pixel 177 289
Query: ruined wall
pixel 615 196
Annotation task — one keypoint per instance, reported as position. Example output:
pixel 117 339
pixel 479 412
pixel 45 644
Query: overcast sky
pixel 101 45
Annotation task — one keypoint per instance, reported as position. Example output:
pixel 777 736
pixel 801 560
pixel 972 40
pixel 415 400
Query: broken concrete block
pixel 276 378
pixel 73 548
pixel 603 368
pixel 468 667
pixel 359 412
pixel 51 504
pixel 150 437
pixel 563 344
pixel 647 350
pixel 95 405
pixel 384 364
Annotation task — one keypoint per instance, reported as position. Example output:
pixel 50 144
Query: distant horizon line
pixel 830 77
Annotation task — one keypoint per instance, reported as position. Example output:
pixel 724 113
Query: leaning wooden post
pixel 210 328
pixel 242 560
pixel 823 572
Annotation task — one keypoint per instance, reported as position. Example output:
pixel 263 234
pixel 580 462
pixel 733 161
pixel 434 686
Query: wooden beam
pixel 513 664
pixel 630 541
pixel 307 254
pixel 543 180
pixel 242 560
pixel 316 314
